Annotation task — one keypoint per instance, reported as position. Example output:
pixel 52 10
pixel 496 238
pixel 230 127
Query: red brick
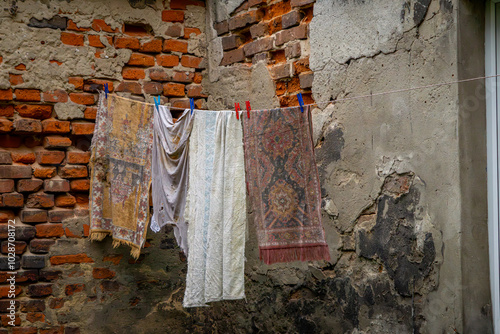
pixel 33 216
pixel 73 172
pixel 82 98
pixel 32 305
pixel 154 88
pixel 261 45
pixel 76 81
pixel 39 290
pixel 72 39
pixel 154 45
pixel 281 71
pixel 292 34
pixel 129 87
pixel 80 185
pixel 13 200
pixel 56 303
pixel 53 61
pixel 5 125
pixel 242 20
pixel 19 247
pixel 6 215
pixel 233 56
pixel 40 200
pixel 59 215
pixel 167 60
pixel 5 322
pixel 180 103
pixel 132 73
pixel 65 200
pixel 191 61
pixel 90 113
pixel 15 172
pixel 35 317
pixel 4 291
pixel 103 273
pixel 72 26
pixel 30 185
pixel 27 95
pixel 32 141
pixel 16 79
pixel 275 25
pixel 41 245
pixel 138 59
pixel 175 45
pixel 189 31
pixel 58 95
pixel 71 289
pixel 50 157
pixel 127 43
pixel 20 67
pixel 75 258
pixel 174 30
pixel 44 172
pixel 299 3
pixel 52 330
pixel 23 157
pixel 231 42
pixel 78 157
pixel 95 41
pixel 195 91
pixel 185 77
pixel 159 75
pixel 6 186
pixel 6 94
pixel 173 89
pixel 100 25
pixel 27 125
pixel 49 230
pixel 197 78
pixel 80 128
pixel 6 110
pixel 34 111
pixel 56 142
pixel 172 16
pixel 221 27
pixel 55 126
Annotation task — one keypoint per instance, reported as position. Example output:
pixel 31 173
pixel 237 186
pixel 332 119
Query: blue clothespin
pixel 106 90
pixel 301 101
pixel 157 102
pixel 191 103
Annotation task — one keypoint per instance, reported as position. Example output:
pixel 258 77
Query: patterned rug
pixel 121 171
pixel 283 185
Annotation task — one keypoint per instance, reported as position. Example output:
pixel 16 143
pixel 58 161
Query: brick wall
pixel 275 32
pixel 45 137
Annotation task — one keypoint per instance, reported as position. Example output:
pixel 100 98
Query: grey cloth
pixel 170 172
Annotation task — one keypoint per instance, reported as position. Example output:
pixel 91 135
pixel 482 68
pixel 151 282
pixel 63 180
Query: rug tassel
pixel 97 236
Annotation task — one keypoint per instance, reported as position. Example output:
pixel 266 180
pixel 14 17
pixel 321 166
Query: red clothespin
pixel 237 109
pixel 248 108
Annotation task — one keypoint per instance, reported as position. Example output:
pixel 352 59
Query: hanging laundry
pixel 121 153
pixel 170 172
pixel 283 185
pixel 215 209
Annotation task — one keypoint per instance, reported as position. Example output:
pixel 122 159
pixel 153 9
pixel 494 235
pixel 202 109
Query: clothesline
pixel 391 91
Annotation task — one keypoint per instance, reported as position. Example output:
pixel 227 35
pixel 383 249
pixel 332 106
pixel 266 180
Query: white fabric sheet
pixel 170 172
pixel 215 209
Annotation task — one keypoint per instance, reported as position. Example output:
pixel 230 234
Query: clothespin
pixel 301 101
pixel 106 90
pixel 191 103
pixel 248 108
pixel 237 110
pixel 157 102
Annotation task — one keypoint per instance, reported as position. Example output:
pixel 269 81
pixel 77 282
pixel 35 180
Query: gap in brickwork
pixel 276 33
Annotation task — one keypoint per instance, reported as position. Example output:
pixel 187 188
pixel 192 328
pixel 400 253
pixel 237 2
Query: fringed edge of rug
pixel 98 236
pixel 135 250
pixel 306 253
